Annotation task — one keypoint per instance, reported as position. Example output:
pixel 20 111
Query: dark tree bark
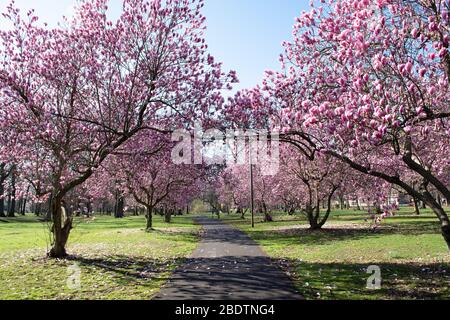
pixel 61 229
pixel 48 216
pixel 89 208
pixel 358 205
pixel 416 206
pixel 119 206
pixel 341 202
pixel 2 189
pixel 8 203
pixel 19 206
pixel 2 201
pixel 242 212
pixel 291 210
pixel 439 199
pixel 168 216
pixel 2 207
pixel 37 209
pixel 24 206
pixel 316 222
pixel 267 216
pixel 149 217
pixel 12 203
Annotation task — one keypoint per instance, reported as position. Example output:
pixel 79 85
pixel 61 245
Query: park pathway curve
pixel 228 265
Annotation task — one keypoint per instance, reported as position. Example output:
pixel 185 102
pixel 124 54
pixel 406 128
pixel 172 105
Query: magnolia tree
pixel 374 193
pixel 144 169
pixel 231 191
pixel 179 203
pixel 104 188
pixel 367 82
pixel 325 179
pixel 71 96
pixel 315 182
pixel 237 184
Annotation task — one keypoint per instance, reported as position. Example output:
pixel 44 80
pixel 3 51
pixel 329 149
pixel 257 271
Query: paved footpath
pixel 228 265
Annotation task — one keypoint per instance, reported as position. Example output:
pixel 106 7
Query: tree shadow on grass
pixel 128 270
pixel 337 281
pixel 134 222
pixel 22 219
pixel 328 235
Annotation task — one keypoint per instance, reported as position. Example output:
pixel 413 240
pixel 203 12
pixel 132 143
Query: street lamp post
pixel 252 194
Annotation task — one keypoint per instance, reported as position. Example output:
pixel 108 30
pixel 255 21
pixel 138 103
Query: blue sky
pixel 246 35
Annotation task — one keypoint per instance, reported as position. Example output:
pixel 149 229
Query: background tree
pixel 4 174
pixel 145 170
pixel 316 182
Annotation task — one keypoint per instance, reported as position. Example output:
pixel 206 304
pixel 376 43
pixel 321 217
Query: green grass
pixel 117 258
pixel 332 263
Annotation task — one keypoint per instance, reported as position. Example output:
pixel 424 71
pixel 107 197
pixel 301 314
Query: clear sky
pixel 246 35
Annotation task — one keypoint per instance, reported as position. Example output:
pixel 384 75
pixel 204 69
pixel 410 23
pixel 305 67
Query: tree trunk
pixel 2 189
pixel 342 202
pixel 312 219
pixel 37 209
pixel 12 204
pixel 90 211
pixel 439 199
pixel 291 211
pixel 49 209
pixel 416 206
pixel 267 216
pixel 119 206
pixel 2 207
pixel 446 232
pixel 314 226
pixel 168 216
pixel 60 229
pixel 149 217
pixel 314 222
pixel 441 214
pixel 24 206
pixel 328 212
pixel 2 202
pixel 242 212
pixel 19 206
pixel 445 224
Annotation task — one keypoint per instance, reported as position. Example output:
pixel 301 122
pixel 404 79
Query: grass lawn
pixel 332 263
pixel 117 259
